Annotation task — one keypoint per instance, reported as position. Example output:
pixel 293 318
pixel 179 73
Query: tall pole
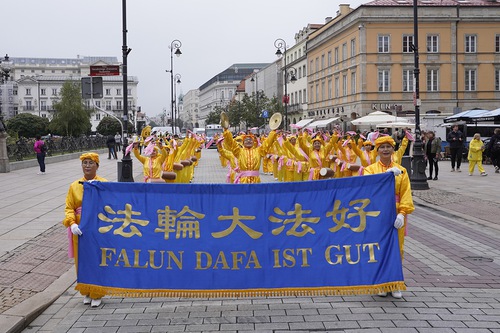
pixel 177 45
pixel 125 171
pixel 417 178
pixel 281 44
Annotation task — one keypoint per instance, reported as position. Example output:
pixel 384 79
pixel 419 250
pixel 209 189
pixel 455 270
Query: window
pixel 98 116
pixel 353 47
pixel 43 105
pixel 383 44
pixel 323 91
pixel 470 43
pixel 118 92
pixel 497 43
pixel 43 91
pixel 29 106
pixel 344 51
pixel 322 61
pixel 330 89
pixel 344 85
pixel 432 79
pixel 329 58
pixel 497 79
pixel 353 83
pixel 118 105
pixel 28 91
pixel 300 73
pixel 470 80
pixel 129 91
pixel 408 43
pixel 98 104
pixel 317 93
pixel 54 91
pixel 336 59
pixel 407 80
pixel 337 87
pixel 304 70
pixel 432 44
pixel 317 65
pixel 108 92
pixel 383 80
pixel 311 65
pixel 108 105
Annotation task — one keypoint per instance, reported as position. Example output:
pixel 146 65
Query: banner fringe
pixel 86 289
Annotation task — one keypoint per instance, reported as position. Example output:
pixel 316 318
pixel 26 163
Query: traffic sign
pixel 105 70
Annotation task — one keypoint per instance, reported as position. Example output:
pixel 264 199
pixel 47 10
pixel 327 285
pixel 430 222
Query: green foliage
pixel 214 116
pixel 109 125
pixel 71 118
pixel 27 125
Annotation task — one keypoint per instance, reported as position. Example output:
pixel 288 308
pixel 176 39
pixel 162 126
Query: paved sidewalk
pixel 451 268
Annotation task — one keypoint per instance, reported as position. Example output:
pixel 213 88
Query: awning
pixel 493 115
pixel 301 123
pixel 467 116
pixel 321 123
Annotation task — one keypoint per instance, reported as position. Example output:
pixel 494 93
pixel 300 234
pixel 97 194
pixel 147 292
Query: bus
pixel 210 131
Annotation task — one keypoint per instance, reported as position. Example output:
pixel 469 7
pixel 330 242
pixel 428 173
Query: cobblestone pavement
pixel 451 269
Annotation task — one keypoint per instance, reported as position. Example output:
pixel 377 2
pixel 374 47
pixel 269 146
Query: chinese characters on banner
pixel 214 240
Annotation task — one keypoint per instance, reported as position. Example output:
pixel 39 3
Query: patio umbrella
pixel 467 116
pixel 396 124
pixel 493 115
pixel 375 118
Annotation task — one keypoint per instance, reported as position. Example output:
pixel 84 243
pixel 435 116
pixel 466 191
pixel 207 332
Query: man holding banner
pixel 73 212
pixel 404 202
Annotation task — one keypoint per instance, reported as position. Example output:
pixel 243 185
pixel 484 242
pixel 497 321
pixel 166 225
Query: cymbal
pixel 275 121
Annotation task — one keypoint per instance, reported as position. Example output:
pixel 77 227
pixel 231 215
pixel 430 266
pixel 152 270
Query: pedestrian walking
pixel 493 149
pixel 118 142
pixel 432 149
pixel 476 149
pixel 110 142
pixel 40 149
pixel 456 139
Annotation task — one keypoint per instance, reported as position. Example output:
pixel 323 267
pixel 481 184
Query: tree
pixel 214 116
pixel 27 125
pixel 71 118
pixel 109 125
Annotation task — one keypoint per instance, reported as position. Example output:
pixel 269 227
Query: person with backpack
pixel 493 149
pixel 40 149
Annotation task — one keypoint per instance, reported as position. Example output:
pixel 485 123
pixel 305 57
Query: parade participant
pixel 317 153
pixel 152 163
pixel 364 150
pixel 300 159
pixel 73 210
pixel 249 157
pixel 475 156
pixel 404 202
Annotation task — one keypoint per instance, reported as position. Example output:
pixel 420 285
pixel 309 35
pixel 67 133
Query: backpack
pixel 495 148
pixel 44 148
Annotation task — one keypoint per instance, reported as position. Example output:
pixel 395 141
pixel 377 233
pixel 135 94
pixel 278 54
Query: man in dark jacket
pixel 456 140
pixel 110 142
pixel 493 149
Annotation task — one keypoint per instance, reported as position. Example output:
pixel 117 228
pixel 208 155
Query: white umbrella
pixel 375 118
pixel 396 124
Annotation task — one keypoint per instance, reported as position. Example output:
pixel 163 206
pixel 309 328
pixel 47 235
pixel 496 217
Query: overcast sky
pixel 214 33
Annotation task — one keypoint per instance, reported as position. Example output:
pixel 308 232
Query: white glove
pixel 396 171
pixel 75 229
pixel 400 221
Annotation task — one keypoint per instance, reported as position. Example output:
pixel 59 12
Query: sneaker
pixel 382 294
pixel 435 178
pixel 95 303
pixel 429 178
pixel 484 174
pixel 470 174
pixel 397 294
pixel 458 170
pixel 87 300
pixel 452 169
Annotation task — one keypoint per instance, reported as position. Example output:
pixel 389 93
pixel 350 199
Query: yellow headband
pixel 90 156
pixel 367 143
pixel 384 139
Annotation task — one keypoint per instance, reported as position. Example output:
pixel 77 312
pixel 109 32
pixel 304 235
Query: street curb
pixel 20 316
pixel 18 165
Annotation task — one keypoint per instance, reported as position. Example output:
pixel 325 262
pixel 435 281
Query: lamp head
pixel 178 52
pixel 278 53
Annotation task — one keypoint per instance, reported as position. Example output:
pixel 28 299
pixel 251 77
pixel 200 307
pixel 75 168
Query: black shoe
pixel 435 178
pixel 429 178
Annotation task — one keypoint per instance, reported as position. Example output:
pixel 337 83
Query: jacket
pixel 475 150
pixel 435 146
pixel 456 139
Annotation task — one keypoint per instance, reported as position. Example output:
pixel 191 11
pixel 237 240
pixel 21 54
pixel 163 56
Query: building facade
pixel 190 114
pixel 38 82
pixel 363 59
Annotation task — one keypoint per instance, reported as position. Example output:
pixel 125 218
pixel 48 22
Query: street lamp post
pixel 177 80
pixel 280 44
pixel 175 44
pixel 125 165
pixel 417 178
pixel 4 77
